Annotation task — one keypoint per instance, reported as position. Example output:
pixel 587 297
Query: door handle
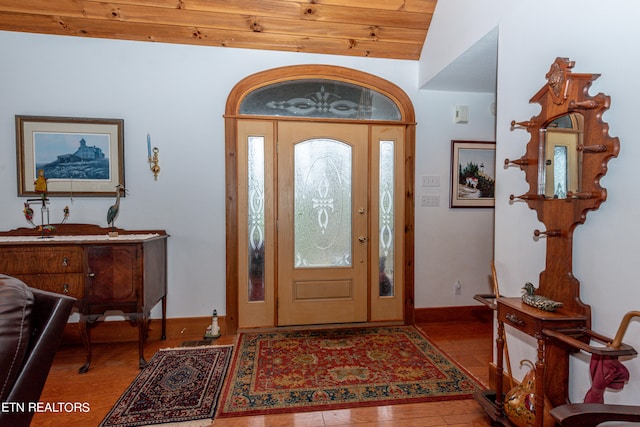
pixel 362 239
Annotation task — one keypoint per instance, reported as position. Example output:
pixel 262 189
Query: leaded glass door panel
pixel 322 223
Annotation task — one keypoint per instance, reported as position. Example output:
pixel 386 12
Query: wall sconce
pixel 153 160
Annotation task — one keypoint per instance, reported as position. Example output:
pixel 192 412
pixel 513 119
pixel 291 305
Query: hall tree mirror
pixel 561 170
pixel 565 159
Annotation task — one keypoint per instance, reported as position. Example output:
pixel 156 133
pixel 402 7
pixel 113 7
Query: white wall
pixel 450 37
pixel 598 37
pixel 451 244
pixel 177 93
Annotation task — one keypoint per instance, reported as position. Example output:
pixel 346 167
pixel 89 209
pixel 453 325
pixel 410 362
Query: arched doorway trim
pixel 299 72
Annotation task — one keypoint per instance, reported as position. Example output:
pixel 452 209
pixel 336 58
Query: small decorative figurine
pixel 41 182
pixel 213 330
pixel 47 229
pixel 114 210
pixel 28 213
pixel 538 301
pixel 66 214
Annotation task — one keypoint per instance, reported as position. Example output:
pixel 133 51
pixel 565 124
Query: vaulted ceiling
pixel 369 28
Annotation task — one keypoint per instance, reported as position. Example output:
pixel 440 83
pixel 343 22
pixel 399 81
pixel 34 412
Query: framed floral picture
pixel 473 165
pixel 67 156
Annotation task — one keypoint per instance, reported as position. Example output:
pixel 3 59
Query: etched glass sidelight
pixel 255 217
pixel 386 229
pixel 322 207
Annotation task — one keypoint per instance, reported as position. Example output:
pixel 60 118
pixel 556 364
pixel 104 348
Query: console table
pixel 126 273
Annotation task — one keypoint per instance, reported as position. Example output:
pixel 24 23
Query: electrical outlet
pixel 457 288
pixel 430 200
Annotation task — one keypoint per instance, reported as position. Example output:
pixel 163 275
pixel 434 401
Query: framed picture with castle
pixel 68 156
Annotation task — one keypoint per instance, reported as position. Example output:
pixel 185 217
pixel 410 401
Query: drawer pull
pixel 65 262
pixel 91 274
pixel 65 288
pixel 514 319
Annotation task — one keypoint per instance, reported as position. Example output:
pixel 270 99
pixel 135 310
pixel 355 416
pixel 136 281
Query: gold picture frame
pixel 473 165
pixel 78 156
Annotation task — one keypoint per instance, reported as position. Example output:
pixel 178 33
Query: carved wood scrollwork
pixel 562 202
pixel 557 78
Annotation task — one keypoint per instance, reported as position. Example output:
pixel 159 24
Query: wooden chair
pixel 592 414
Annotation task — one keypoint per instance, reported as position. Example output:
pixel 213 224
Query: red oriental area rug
pixel 312 370
pixel 179 386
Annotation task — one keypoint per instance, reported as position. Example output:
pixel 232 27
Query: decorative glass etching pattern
pixel 560 171
pixel 322 207
pixel 386 230
pixel 255 216
pixel 320 98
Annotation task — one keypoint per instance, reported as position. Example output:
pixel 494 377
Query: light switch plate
pixel 430 181
pixel 430 200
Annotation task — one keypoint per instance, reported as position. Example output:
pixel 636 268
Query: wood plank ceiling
pixel 373 28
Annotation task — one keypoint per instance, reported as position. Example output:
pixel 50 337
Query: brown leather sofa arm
pixel 49 316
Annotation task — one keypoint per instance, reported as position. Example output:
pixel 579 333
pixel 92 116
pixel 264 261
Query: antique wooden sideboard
pixel 125 274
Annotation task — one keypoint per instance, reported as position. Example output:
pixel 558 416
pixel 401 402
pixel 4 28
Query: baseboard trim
pixel 187 328
pixel 471 313
pixel 190 328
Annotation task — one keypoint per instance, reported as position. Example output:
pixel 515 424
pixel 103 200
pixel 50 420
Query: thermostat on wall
pixel 462 114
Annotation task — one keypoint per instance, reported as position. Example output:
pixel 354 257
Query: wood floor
pixel 114 367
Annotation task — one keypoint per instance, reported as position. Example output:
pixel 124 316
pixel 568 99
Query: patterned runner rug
pixel 179 386
pixel 312 370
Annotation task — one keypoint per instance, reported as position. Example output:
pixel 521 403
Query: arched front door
pixel 319 199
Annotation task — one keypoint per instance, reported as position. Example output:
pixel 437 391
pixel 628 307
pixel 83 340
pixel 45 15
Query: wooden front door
pixel 285 193
pixel 322 223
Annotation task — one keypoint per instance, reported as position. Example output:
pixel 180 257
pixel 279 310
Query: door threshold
pixel 321 326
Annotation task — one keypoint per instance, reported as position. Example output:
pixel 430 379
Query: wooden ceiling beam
pixel 130 10
pixel 319 12
pixel 284 7
pixel 377 28
pixel 264 25
pixel 256 23
pixel 204 36
pixel 419 6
